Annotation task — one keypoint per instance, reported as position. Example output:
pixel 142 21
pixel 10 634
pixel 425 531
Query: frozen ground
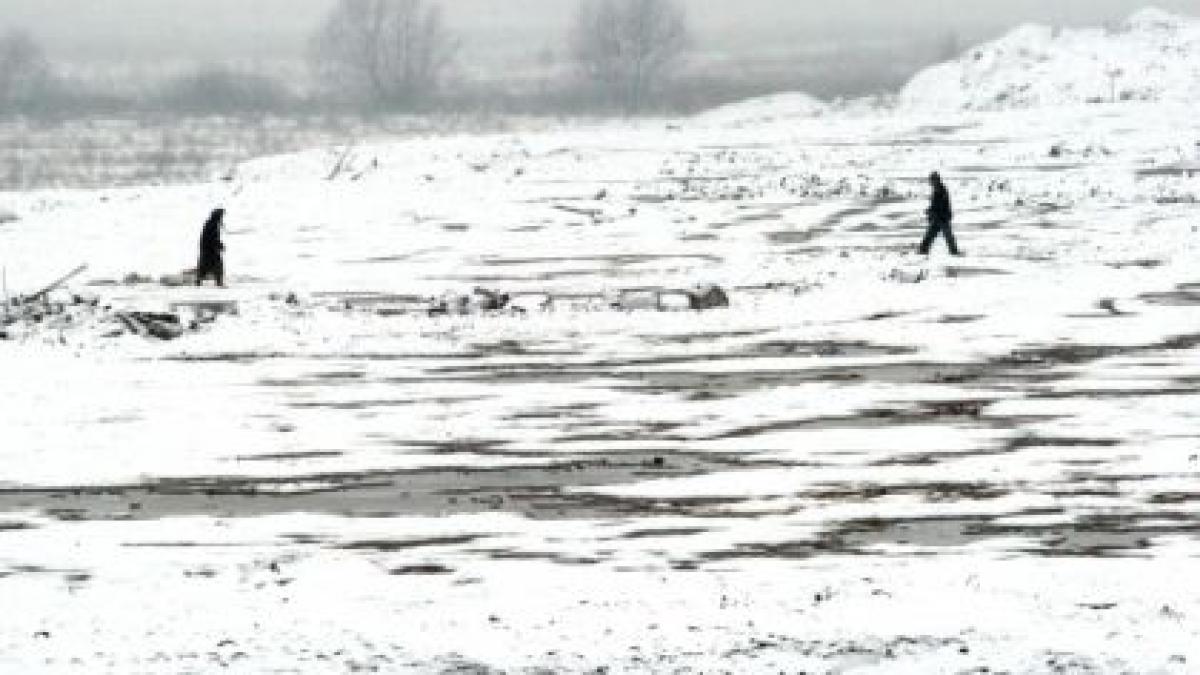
pixel 870 462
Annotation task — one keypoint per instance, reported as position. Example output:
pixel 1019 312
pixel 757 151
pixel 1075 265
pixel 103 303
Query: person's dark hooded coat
pixel 939 206
pixel 211 262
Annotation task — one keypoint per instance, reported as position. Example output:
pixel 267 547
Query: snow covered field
pixel 871 461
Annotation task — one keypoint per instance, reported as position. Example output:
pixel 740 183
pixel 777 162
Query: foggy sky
pixel 132 30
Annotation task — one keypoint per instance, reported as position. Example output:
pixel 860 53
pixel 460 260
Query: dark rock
pixel 708 297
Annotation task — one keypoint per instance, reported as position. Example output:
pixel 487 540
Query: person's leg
pixel 930 236
pixel 219 273
pixel 950 241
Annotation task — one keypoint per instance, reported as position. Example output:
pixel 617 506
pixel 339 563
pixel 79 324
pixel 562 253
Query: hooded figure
pixel 940 215
pixel 211 248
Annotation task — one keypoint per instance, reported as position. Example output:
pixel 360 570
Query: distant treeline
pixel 384 56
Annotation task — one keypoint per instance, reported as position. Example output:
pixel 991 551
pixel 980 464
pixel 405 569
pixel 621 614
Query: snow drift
pixel 1153 56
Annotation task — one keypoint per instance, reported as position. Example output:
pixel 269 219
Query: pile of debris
pixel 698 299
pixel 483 301
pixel 478 301
pixel 56 312
pixel 162 326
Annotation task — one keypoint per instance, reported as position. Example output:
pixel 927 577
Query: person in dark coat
pixel 211 263
pixel 940 215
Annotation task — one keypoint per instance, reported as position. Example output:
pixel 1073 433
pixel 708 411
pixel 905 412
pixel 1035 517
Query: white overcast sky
pixel 273 29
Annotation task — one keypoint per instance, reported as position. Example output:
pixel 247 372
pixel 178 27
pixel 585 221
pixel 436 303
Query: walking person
pixel 211 263
pixel 940 214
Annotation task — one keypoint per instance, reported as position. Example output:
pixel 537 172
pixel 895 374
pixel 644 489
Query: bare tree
pixel 628 48
pixel 391 52
pixel 24 72
pixel 219 90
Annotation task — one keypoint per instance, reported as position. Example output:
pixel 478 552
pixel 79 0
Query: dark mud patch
pixel 762 216
pixel 827 225
pixel 1075 354
pixel 1026 441
pixel 243 358
pixel 630 368
pixel 290 456
pixel 559 412
pixel 546 556
pixel 421 570
pixel 1092 536
pixel 728 384
pixel 778 348
pixel 394 545
pixel 1184 296
pixel 961 318
pixel 956 272
pixel 1020 168
pixel 702 337
pixel 665 532
pixel 1143 263
pixel 884 316
pixel 1185 170
pixel 935 458
pixel 1102 394
pixel 538 492
pixel 1174 498
pixel 928 491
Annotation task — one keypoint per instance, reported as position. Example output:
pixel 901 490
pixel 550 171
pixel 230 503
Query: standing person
pixel 211 263
pixel 940 214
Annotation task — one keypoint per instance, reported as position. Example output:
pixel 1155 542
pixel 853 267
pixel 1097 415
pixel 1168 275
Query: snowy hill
pixel 784 107
pixel 1154 56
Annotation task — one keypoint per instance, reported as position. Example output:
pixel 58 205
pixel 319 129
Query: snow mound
pixel 8 216
pixel 1153 56
pixel 765 110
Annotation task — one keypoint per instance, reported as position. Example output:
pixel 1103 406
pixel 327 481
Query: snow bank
pixel 1153 56
pixel 764 110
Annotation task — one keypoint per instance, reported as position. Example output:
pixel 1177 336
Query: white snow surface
pixel 871 461
pixel 1153 56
